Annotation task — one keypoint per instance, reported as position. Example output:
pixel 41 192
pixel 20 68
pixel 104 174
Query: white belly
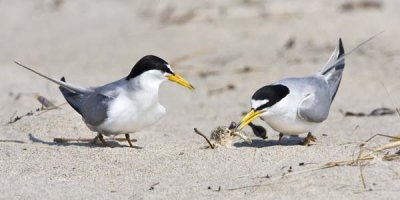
pixel 127 116
pixel 289 125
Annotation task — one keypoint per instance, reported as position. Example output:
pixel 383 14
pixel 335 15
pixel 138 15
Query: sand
pixel 96 42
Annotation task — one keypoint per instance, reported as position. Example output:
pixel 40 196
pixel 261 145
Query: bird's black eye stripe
pixel 169 71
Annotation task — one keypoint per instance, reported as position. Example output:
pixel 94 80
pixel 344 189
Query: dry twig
pixel 201 134
pixel 360 161
pixel 41 112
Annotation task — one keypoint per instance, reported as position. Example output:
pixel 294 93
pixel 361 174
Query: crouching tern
pixel 124 106
pixel 296 105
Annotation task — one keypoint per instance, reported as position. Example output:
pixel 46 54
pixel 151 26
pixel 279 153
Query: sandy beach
pixel 227 50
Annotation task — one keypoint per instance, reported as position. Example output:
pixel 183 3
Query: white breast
pixel 128 115
pixel 282 117
pixel 290 126
pixel 136 107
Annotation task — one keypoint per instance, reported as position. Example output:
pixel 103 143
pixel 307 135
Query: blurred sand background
pixel 233 48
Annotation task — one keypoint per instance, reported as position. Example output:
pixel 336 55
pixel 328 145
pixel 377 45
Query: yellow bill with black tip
pixel 180 80
pixel 249 117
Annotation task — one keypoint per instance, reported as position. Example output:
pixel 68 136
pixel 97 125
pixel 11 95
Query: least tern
pixel 297 105
pixel 124 106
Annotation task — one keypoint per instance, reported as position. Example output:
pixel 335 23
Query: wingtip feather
pixel 341 48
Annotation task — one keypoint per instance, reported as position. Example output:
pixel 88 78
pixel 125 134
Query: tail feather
pixel 333 69
pixel 332 63
pixel 74 99
pixel 333 72
pixel 69 86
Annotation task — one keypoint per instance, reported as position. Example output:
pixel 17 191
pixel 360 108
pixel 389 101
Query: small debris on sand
pixel 246 69
pixel 366 4
pixel 220 90
pixel 152 186
pixel 376 112
pixel 290 43
pixel 46 104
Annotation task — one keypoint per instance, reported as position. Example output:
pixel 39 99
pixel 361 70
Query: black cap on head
pixel 272 93
pixel 147 63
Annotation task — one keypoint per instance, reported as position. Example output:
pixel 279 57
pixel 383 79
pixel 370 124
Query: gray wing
pixel 314 109
pixel 94 108
pixel 311 96
pixel 316 103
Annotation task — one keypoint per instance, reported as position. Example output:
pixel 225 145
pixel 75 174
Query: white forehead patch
pixel 257 103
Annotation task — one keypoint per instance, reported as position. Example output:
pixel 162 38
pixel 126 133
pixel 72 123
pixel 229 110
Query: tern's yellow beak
pixel 180 80
pixel 249 117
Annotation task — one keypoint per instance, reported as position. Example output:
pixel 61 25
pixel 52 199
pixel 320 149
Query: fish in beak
pixel 180 80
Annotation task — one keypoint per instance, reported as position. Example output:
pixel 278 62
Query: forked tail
pixel 333 69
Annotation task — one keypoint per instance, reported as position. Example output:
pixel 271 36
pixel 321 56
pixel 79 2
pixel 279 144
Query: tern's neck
pixel 148 82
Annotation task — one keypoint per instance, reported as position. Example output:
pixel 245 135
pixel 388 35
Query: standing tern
pixel 124 106
pixel 297 105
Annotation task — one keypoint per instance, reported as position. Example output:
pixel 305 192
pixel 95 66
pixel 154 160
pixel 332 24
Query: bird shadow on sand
pixel 259 143
pixel 114 144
